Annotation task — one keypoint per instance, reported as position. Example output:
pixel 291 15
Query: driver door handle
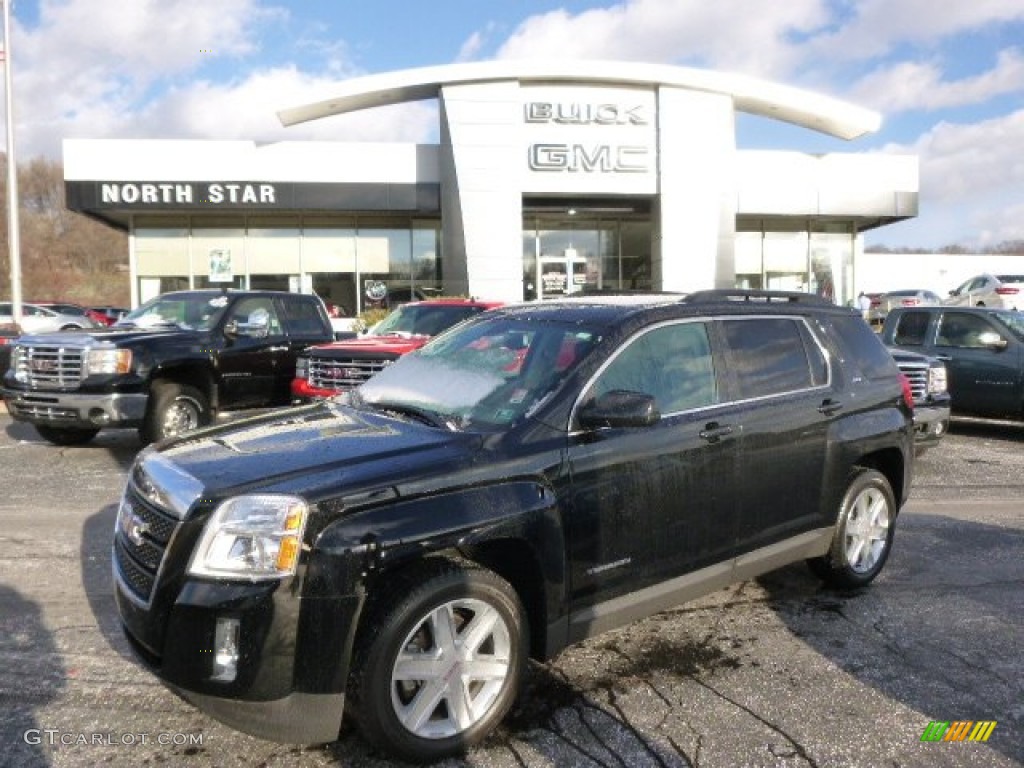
pixel 829 406
pixel 713 431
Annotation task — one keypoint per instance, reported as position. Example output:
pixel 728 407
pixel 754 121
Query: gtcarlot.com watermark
pixel 53 737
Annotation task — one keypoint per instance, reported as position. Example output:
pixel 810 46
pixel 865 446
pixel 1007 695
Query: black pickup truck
pixel 169 366
pixel 982 348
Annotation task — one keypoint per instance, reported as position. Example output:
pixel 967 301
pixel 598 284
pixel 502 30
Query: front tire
pixel 173 409
pixel 864 533
pixel 65 435
pixel 439 662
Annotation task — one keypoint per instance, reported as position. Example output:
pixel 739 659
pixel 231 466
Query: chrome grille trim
pixel 917 374
pixel 49 366
pixel 343 373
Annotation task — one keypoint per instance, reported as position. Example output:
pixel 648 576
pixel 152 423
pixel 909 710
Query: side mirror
pixel 231 329
pixel 992 340
pixel 620 408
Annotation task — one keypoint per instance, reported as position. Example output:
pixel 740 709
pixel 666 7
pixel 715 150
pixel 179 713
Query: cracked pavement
pixel 773 672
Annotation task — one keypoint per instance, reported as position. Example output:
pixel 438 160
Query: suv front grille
pixel 49 366
pixel 343 373
pixel 140 542
pixel 917 373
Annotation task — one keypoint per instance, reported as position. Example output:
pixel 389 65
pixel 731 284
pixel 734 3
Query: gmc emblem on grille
pixel 133 526
pixel 43 365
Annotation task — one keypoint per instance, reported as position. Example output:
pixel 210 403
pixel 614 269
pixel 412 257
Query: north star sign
pixel 187 193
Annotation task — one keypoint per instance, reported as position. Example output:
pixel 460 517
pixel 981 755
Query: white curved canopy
pixel 758 97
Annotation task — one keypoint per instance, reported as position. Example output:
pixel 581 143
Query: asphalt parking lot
pixel 773 672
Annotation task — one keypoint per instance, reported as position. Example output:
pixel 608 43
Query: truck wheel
pixel 173 408
pixel 65 435
pixel 440 661
pixel 864 532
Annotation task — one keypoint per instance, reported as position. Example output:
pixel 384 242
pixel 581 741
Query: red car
pixel 331 369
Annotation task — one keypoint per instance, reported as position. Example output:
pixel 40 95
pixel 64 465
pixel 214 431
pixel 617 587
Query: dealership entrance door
pixel 570 248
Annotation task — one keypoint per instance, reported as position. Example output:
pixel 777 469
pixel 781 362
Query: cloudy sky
pixel 948 77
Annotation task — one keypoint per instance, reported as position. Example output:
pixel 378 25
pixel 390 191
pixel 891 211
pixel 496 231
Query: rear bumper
pixel 70 409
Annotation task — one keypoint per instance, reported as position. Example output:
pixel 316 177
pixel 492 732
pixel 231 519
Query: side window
pixel 911 329
pixel 859 343
pixel 303 316
pixel 671 363
pixel 959 329
pixel 256 317
pixel 769 356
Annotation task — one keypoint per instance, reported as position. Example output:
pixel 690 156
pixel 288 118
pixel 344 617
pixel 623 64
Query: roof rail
pixel 756 296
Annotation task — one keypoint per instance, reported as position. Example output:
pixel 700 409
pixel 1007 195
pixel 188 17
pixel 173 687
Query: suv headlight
pixel 302 367
pixel 255 537
pixel 108 361
pixel 937 379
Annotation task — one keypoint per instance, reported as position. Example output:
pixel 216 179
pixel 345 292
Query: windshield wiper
pixel 428 417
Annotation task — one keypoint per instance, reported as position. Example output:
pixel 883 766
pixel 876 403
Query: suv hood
pixel 318 451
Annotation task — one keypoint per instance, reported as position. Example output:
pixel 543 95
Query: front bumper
pixel 931 422
pixel 292 654
pixel 304 392
pixel 73 409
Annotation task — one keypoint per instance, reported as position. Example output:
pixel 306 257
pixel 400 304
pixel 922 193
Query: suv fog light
pixel 225 651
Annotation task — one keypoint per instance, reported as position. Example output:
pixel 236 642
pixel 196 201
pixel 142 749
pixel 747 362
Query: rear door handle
pixel 946 358
pixel 713 431
pixel 278 349
pixel 828 407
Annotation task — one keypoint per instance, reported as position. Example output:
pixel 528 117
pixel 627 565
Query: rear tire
pixel 439 661
pixel 173 409
pixel 65 435
pixel 864 533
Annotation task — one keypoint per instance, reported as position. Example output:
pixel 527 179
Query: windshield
pixel 484 375
pixel 424 319
pixel 1014 321
pixel 193 311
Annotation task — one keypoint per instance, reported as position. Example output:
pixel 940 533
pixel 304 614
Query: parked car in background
pixel 531 478
pixel 910 297
pixel 41 319
pixel 69 308
pixel 331 369
pixel 8 333
pixel 109 315
pixel 1001 291
pixel 982 347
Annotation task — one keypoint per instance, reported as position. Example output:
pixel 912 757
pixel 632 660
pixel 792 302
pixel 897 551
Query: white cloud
pixel 971 177
pixel 878 26
pixel 919 85
pixel 728 34
pixel 247 110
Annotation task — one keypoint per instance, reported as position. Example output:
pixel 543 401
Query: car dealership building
pixel 548 179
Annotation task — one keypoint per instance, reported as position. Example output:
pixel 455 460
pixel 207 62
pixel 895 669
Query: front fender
pixel 354 552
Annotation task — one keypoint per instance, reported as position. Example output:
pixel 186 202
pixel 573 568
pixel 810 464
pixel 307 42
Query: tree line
pixel 65 256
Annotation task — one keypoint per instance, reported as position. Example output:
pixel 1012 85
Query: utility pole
pixel 13 233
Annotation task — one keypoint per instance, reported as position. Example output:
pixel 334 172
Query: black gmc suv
pixel 537 475
pixel 169 366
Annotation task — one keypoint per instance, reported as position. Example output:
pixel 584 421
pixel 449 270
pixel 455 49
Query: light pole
pixel 13 234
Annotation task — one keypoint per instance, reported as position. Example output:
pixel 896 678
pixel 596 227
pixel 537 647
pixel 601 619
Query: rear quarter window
pixel 771 355
pixel 859 344
pixel 911 329
pixel 305 317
